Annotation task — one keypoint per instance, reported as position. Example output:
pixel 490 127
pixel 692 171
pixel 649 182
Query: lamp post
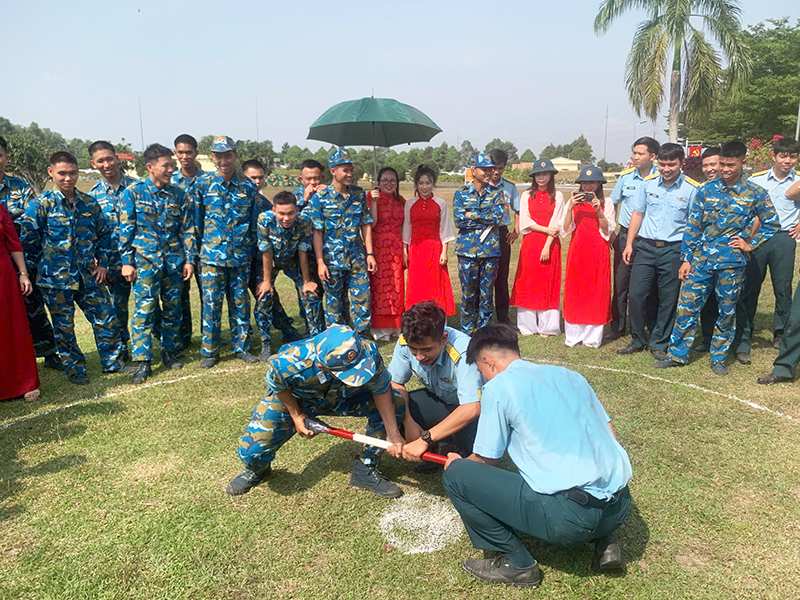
pixel 636 125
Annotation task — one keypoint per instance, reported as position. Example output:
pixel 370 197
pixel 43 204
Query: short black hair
pixel 252 164
pixel 423 320
pixel 62 157
pixel 101 145
pixel 735 149
pixel 787 145
pixel 3 144
pixel 310 163
pixel 712 151
pixel 670 151
pixel 652 145
pixel 497 336
pixel 284 197
pixel 155 151
pixel 499 156
pixel 185 138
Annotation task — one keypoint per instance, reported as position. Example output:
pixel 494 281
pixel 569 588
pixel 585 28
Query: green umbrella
pixel 373 122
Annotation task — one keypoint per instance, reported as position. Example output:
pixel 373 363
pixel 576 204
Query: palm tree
pixel 669 38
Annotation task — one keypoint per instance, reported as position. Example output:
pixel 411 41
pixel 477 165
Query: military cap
pixel 591 173
pixel 340 156
pixel 483 161
pixel 223 144
pixel 342 352
pixel 543 165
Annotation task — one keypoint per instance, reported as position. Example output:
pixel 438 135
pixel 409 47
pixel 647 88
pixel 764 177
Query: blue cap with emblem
pixel 223 143
pixel 341 351
pixel 483 161
pixel 340 156
pixel 591 173
pixel 543 165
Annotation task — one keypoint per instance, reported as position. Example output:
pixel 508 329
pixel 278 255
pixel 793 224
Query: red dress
pixel 587 285
pixel 18 372
pixel 427 279
pixel 386 284
pixel 537 285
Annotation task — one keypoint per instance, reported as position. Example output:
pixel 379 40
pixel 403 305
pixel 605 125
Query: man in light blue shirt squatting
pixel 572 485
pixel 343 244
pixel 510 219
pixel 158 247
pixel 660 210
pixel 108 192
pixel 776 253
pixel 478 209
pixel 334 373
pixel 643 156
pixel 225 215
pixel 447 407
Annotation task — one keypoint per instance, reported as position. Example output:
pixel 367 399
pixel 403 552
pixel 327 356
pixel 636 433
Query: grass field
pixel 116 491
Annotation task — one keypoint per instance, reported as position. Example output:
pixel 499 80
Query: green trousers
pixel 493 503
pixel 428 410
pixel 789 354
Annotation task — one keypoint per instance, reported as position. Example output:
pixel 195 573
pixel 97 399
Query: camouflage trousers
pixel 229 283
pixel 271 426
pixel 152 284
pixel 120 295
pixel 477 277
pixel 355 282
pixel 41 331
pixel 95 303
pixel 725 284
pixel 268 311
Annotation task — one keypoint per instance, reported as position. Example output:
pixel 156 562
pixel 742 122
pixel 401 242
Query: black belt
pixel 658 243
pixel 584 499
pixel 623 229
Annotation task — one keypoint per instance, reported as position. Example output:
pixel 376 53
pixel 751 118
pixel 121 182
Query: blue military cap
pixel 223 144
pixel 342 352
pixel 340 156
pixel 543 165
pixel 483 161
pixel 591 173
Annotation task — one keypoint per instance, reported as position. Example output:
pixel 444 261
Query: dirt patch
pixel 149 470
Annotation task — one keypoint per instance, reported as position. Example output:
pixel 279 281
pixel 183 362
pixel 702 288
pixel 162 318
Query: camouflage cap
pixel 543 165
pixel 591 173
pixel 340 156
pixel 223 144
pixel 342 352
pixel 483 161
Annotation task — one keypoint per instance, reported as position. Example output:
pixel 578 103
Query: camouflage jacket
pixel 284 243
pixel 473 213
pixel 15 194
pixel 109 198
pixel 340 219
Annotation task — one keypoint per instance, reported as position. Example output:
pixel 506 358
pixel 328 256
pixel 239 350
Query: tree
pixel 29 157
pixel 204 145
pixel 527 156
pixel 609 167
pixel 261 151
pixel 509 148
pixel 466 153
pixel 578 149
pixel 670 41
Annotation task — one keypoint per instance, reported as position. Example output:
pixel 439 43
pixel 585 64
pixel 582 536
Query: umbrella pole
pixel 374 159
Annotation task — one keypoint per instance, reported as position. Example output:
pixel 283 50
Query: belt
pixel 658 243
pixel 623 229
pixel 584 499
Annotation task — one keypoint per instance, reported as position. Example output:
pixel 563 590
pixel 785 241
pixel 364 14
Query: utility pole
pixel 141 127
pixel 257 138
pixel 605 137
pixel 797 127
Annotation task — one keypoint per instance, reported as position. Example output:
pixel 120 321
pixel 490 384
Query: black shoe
pixel 607 556
pixel 79 379
pixel 247 480
pixel 499 570
pixel 170 360
pixel 718 368
pixel 744 358
pixel 126 356
pixel 771 378
pixel 291 335
pixel 659 354
pixel 53 361
pixel 369 478
pixel 630 349
pixel 266 351
pixel 612 336
pixel 208 362
pixel 776 342
pixel 666 364
pixel 142 373
pixel 247 357
pixel 703 347
pixel 122 369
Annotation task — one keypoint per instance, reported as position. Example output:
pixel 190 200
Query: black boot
pixel 142 373
pixel 266 351
pixel 607 555
pixel 170 360
pixel 247 480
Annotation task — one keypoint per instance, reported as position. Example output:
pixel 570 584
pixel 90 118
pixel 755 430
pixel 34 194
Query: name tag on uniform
pixel 653 195
pixel 631 187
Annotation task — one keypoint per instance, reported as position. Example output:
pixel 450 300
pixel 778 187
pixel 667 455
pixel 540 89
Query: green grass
pixel 122 495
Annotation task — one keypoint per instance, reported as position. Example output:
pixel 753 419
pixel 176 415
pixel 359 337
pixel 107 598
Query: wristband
pixel 370 254
pixel 23 273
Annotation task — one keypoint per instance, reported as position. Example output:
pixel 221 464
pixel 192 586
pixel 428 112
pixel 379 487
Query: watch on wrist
pixel 426 437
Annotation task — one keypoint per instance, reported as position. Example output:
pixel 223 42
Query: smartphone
pixel 588 196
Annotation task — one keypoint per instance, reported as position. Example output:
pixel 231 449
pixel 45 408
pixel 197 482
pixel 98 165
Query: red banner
pixel 124 156
pixel 695 150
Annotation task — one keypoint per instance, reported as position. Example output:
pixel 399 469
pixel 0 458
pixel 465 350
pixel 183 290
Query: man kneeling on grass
pixel 572 485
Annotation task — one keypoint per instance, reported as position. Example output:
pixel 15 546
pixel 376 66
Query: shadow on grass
pixel 44 429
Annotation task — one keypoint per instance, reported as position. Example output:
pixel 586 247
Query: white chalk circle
pixel 419 524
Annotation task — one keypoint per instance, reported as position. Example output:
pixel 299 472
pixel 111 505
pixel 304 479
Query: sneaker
pixel 247 480
pixel 53 361
pixel 771 378
pixel 79 379
pixel 170 360
pixel 744 358
pixel 208 362
pixel 142 373
pixel 718 368
pixel 367 477
pixel 266 351
pixel 123 368
pixel 247 357
pixel 607 556
pixel 499 570
pixel 776 342
pixel 667 363
pixel 659 354
pixel 703 347
pixel 630 349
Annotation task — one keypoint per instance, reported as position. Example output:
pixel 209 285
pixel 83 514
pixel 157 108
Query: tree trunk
pixel 675 94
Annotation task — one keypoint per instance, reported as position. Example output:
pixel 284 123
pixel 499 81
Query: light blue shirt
pixel 450 377
pixel 554 428
pixel 626 188
pixel 511 198
pixel 665 208
pixel 788 210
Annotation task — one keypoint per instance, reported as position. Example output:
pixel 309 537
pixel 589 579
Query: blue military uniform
pixel 511 199
pixel 64 240
pixel 285 245
pixel 15 194
pixel 300 194
pixel 109 198
pixel 476 215
pixel 302 205
pixel 157 237
pixel 718 214
pixel 448 383
pixel 340 218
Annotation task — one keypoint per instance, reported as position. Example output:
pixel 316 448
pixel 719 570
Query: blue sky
pixel 530 72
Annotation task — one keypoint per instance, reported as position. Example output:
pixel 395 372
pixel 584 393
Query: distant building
pixel 560 163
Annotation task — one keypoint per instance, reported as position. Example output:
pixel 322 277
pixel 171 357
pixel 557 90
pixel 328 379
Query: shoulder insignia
pixel 626 171
pixel 452 352
pixel 759 173
pixel 402 341
pixel 692 182
pixel 652 176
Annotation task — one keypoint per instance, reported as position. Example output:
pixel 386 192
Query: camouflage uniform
pixel 108 198
pixel 225 218
pixel 157 237
pixel 718 214
pixel 340 218
pixel 474 213
pixel 15 194
pixel 299 193
pixel 318 392
pixel 64 240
